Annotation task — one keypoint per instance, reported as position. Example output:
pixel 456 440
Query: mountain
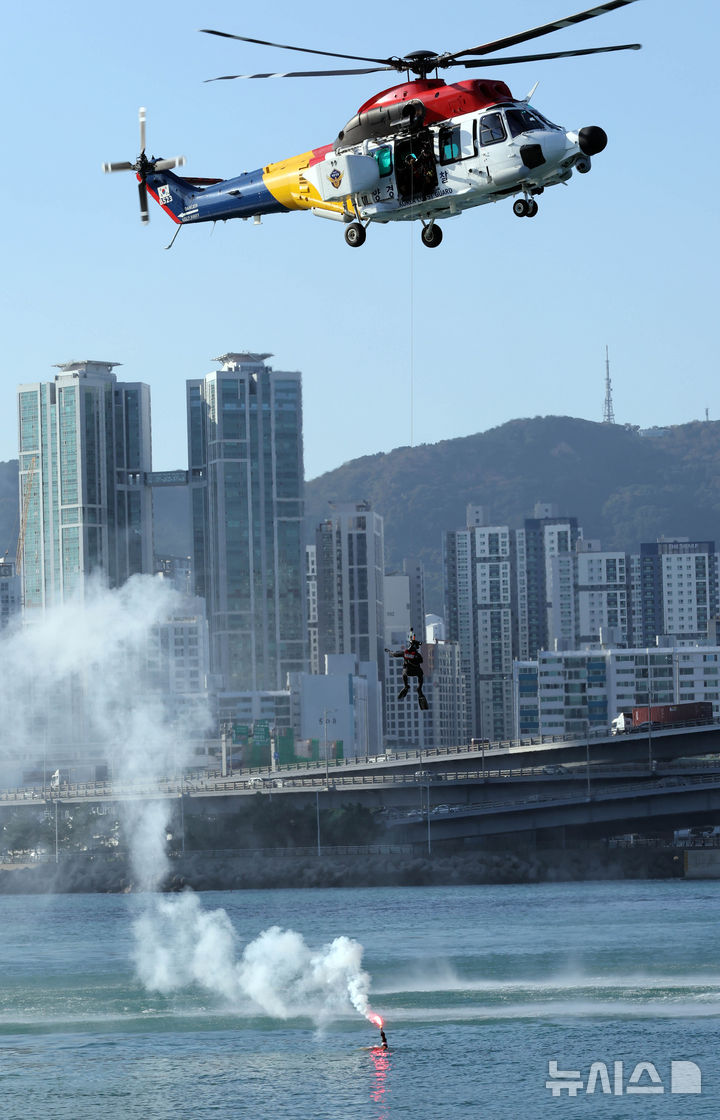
pixel 624 486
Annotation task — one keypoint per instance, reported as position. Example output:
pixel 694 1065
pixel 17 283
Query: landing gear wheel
pixel 355 235
pixel 532 208
pixel 431 236
pixel 521 208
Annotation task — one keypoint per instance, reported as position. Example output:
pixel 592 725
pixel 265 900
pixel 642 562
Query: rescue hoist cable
pixel 412 308
pixel 412 336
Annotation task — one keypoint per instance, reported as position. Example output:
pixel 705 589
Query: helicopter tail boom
pixel 247 196
pixel 178 198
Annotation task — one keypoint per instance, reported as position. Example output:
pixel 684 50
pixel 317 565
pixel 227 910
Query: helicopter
pixel 422 151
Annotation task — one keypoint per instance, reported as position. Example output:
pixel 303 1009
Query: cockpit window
pixel 546 122
pixel 384 161
pixel 492 129
pixel 522 120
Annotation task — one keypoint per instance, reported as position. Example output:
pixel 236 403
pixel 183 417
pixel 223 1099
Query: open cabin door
pixel 415 170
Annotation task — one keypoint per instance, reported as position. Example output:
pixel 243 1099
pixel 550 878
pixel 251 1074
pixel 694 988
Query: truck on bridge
pixel 644 717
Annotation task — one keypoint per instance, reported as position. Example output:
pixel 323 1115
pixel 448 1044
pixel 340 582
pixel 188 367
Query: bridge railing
pixel 424 754
pixel 211 780
pixel 557 784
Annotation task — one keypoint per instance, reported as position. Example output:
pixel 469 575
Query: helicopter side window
pixel 522 120
pixel 384 161
pixel 449 143
pixel 492 129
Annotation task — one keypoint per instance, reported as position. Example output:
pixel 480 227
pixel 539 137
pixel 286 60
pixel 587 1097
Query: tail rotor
pixel 143 167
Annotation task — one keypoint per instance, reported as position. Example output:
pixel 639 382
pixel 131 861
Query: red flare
pixel 375 1019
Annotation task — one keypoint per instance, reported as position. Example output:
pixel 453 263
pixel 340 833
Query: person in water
pixel 384 1044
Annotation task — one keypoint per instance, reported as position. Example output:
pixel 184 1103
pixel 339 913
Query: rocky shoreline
pixel 238 871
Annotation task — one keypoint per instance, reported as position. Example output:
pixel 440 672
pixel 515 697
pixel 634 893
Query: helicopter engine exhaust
pixel 592 139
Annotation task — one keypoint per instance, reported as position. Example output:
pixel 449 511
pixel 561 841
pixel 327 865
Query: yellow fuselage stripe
pixel 288 186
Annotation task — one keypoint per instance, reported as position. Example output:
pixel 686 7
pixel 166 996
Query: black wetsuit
pixel 412 666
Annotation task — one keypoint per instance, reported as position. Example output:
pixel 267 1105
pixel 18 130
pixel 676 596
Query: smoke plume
pixel 180 945
pixel 82 686
pixel 83 681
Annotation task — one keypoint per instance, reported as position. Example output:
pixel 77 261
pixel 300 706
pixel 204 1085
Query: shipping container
pixel 693 711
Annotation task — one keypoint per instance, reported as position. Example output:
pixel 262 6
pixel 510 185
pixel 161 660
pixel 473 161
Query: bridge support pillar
pixel 552 837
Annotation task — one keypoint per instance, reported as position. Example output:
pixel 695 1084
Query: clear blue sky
pixel 508 318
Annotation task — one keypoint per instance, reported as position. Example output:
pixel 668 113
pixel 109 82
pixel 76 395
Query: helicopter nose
pixel 592 139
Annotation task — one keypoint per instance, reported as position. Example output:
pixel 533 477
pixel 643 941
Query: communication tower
pixel 608 413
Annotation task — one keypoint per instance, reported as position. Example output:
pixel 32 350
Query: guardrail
pixel 287 776
pixel 172 789
pixel 389 757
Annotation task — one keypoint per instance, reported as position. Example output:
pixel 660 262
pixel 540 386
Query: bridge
pixel 560 788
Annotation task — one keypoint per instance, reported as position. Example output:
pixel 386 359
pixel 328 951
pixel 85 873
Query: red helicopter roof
pixel 442 100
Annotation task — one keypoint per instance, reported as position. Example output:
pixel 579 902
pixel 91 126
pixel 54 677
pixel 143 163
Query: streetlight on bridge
pixel 325 721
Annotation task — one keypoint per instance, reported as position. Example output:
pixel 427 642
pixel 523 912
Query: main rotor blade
pixel 303 74
pixel 142 117
pixel 118 166
pixel 288 47
pixel 474 62
pixel 536 32
pixel 142 191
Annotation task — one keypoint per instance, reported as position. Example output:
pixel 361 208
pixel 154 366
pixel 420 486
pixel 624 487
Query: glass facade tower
pixel 85 507
pixel 246 481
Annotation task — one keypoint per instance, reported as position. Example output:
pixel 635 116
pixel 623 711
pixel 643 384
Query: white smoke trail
pixel 78 680
pixel 179 945
pixel 80 675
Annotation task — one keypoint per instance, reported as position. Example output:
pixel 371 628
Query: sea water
pixel 482 988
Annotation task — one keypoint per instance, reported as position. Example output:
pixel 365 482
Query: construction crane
pixel 27 488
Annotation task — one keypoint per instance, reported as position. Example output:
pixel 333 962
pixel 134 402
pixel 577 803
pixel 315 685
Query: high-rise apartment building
pixel 312 606
pixel 9 593
pixel 480 583
pixel 675 582
pixel 543 537
pixel 444 723
pixel 574 692
pixel 590 602
pixel 458 581
pixel 415 572
pixel 350 572
pixel 177 656
pixel 509 593
pixel 85 505
pixel 246 482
